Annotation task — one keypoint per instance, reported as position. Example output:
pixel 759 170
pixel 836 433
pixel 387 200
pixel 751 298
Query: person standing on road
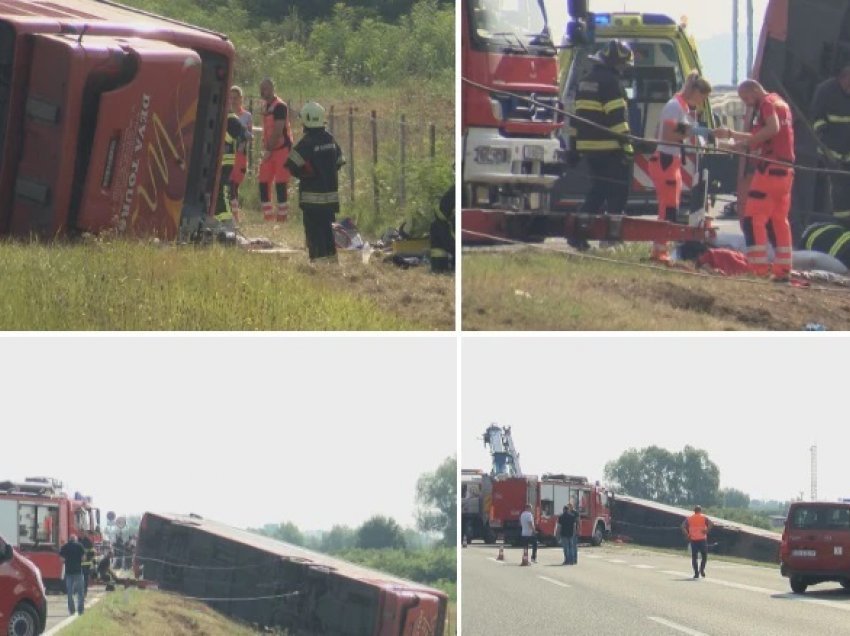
pixel 566 530
pixel 316 160
pixel 696 529
pixel 73 554
pixel 88 563
pixel 529 532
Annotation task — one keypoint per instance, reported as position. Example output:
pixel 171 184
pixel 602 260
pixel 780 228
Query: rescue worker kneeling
pixel 104 570
pixel 677 124
pixel 828 238
pixel 443 234
pixel 315 161
pixel 769 197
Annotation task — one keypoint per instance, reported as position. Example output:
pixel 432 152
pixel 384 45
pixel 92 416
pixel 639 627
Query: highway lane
pixel 627 591
pixel 57 606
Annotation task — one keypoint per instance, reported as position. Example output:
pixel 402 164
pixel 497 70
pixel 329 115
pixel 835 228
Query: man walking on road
pixel 529 532
pixel 566 530
pixel 696 529
pixel 73 553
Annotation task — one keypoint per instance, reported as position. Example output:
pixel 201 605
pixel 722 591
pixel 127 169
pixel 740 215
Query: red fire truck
pixel 37 517
pixel 548 495
pixel 510 152
pixel 111 118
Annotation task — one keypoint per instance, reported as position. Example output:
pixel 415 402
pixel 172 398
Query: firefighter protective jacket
pixel 602 100
pixel 315 160
pixel 831 119
pixel 233 137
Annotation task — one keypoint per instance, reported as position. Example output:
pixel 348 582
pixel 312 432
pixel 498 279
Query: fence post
pixel 402 153
pixel 375 193
pixel 331 119
pixel 351 152
pixel 432 140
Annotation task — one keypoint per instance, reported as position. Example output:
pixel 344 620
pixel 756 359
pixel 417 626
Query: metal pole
pixel 402 149
pixel 749 38
pixel 375 192
pixel 331 119
pixel 432 139
pixel 351 152
pixel 734 42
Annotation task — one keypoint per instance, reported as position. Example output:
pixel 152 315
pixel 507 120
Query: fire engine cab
pixel 37 517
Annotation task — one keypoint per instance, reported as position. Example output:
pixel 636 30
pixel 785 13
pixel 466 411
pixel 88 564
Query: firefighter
pixel 315 161
pixel 830 111
pixel 443 234
pixel 89 558
pixel 828 238
pixel 602 100
pixel 277 142
pixel 768 200
pixel 240 165
pixel 677 124
pixel 233 136
pixel 696 529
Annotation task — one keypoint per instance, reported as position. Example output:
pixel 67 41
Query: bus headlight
pixel 490 155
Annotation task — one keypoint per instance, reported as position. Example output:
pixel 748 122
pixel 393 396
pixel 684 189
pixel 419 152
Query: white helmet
pixel 313 115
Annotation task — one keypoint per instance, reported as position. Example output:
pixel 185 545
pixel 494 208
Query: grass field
pixel 143 612
pixel 128 285
pixel 530 289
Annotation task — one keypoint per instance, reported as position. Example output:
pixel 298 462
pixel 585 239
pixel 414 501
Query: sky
pixel 705 19
pixel 318 431
pixel 755 404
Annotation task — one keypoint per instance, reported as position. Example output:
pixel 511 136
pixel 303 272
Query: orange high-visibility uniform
pixel 272 169
pixel 769 195
pixel 697 527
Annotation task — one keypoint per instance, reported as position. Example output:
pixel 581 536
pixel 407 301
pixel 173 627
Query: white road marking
pixel 642 566
pixel 676 626
pixel 55 629
pixel 553 581
pixel 615 561
pixel 591 556
pixel 495 560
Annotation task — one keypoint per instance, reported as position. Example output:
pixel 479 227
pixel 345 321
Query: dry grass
pixel 530 290
pixel 143 612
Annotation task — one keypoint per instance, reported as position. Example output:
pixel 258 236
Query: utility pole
pixel 734 42
pixel 814 486
pixel 749 38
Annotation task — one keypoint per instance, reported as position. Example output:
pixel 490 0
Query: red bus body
pixel 548 496
pixel 292 587
pixel 37 522
pixel 110 119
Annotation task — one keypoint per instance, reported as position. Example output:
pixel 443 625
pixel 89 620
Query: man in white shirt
pixel 529 533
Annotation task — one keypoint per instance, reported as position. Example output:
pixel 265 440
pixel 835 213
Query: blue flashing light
pixel 602 19
pixel 658 18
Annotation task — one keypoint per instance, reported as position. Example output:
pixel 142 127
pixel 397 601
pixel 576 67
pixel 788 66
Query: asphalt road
pixel 628 591
pixel 57 606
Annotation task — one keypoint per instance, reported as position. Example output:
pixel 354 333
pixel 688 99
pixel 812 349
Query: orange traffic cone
pixel 501 556
pixel 525 556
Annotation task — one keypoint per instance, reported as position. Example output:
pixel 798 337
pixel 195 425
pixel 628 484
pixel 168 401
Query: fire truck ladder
pixel 504 454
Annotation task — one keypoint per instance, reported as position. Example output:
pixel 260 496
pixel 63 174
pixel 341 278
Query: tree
pixel 680 479
pixel 338 539
pixel 734 498
pixel 436 496
pixel 287 531
pixel 380 532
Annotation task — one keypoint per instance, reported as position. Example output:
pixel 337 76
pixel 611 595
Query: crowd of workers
pixel 603 138
pixel 315 160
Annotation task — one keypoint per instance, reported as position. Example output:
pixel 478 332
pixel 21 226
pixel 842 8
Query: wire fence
pixel 383 152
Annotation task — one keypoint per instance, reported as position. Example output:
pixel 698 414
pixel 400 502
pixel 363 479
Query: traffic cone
pixel 525 556
pixel 501 556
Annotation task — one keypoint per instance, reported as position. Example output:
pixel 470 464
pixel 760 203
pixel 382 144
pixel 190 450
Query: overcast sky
pixel 317 431
pixel 755 404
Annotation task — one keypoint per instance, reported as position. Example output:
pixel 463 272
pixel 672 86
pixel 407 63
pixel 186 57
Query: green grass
pixel 118 285
pixel 143 612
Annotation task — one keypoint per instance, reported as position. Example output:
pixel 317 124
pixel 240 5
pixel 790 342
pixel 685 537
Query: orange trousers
pixel 666 174
pixel 768 204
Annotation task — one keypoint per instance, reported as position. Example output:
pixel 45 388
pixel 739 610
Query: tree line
pixel 684 479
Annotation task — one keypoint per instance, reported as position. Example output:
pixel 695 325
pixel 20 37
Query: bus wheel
pixel 598 535
pixel 23 621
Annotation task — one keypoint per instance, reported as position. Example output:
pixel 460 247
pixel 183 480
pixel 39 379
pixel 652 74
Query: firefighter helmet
pixel 313 115
pixel 616 53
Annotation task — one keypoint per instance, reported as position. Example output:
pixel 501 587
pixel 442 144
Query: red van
pixel 816 544
pixel 23 606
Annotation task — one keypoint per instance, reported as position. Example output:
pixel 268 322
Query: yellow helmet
pixel 313 115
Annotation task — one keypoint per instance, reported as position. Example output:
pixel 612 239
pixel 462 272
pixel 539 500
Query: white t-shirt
pixel 676 111
pixel 526 520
